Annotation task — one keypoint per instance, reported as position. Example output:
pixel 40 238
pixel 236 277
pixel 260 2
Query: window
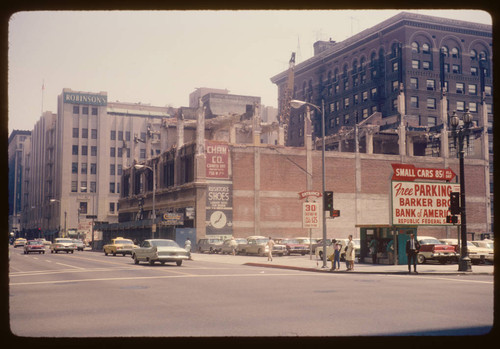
pixel 415 47
pixel 120 152
pixel 431 85
pixel 373 93
pixel 84 150
pixel 85 133
pixel 346 118
pixel 364 113
pixel 93 168
pixel 113 135
pixel 112 169
pixel 332 107
pixel 346 103
pixel 431 121
pixel 85 110
pixel 363 78
pixel 93 186
pixel 426 65
pixel 373 109
pixel 487 90
pixel 356 99
pixel 75 132
pixel 112 152
pixel 74 150
pixel 119 170
pixel 473 107
pixel 444 51
pixel 83 186
pixel 414 102
pixel 460 87
pixel 83 168
pixel 395 104
pixel 473 54
pixel 456 69
pixel 93 150
pixel 346 85
pixel 395 66
pixel 76 109
pixel 142 153
pixel 426 48
pixel 365 96
pixel 111 207
pixel 395 85
pixel 446 68
pixel 454 52
pixel 120 135
pixel 332 122
pixel 74 167
pixel 83 208
pixel 414 83
pixel 93 133
pixel 473 71
pixel 460 105
pixel 94 111
pixel 74 186
pixel 415 64
pixel 473 89
pixel 431 103
pixel 112 187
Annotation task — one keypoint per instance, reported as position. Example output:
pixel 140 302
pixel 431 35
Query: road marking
pixel 442 278
pixel 71 266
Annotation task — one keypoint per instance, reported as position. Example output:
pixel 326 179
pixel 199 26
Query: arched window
pixel 344 74
pixel 394 50
pixel 415 48
pixel 355 67
pixel 473 54
pixel 372 58
pixel 362 63
pixel 483 55
pixel 329 77
pixel 444 50
pixel 426 48
pixel 336 74
pixel 454 52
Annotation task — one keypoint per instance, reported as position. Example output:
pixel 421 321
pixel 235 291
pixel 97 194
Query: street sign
pixel 308 193
pixel 311 215
pixel 408 172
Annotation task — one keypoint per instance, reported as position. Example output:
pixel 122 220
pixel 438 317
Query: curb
pixel 327 270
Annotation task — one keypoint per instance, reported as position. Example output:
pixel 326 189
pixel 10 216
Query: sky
pixel 160 57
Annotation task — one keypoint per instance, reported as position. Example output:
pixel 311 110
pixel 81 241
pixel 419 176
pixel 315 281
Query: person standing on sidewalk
pixel 336 256
pixel 187 247
pixel 270 245
pixel 374 249
pixel 412 247
pixel 349 255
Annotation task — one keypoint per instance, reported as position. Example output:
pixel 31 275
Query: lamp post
pixel 460 131
pixel 294 103
pixel 153 215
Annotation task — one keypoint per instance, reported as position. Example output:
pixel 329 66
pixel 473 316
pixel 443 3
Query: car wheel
pixel 179 263
pixel 43 252
pixel 162 262
pixel 105 253
pixel 123 254
pixel 443 261
pixel 151 262
pixel 136 261
pixel 420 259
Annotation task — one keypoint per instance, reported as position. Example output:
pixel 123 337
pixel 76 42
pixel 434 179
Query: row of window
pixel 114 135
pixel 459 87
pixel 453 53
pixel 460 105
pixel 113 207
pixel 84 110
pixel 113 169
pixel 114 187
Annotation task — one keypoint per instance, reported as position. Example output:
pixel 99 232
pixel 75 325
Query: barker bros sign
pixel 421 203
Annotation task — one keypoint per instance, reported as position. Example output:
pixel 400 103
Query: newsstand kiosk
pixel 386 236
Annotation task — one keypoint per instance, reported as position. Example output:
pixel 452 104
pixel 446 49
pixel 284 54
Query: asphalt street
pixel 87 294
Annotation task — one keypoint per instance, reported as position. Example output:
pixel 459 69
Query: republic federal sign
pixel 418 202
pixel 85 98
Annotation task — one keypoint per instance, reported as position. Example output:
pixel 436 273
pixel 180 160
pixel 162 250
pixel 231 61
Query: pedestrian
pixel 270 245
pixel 234 245
pixel 349 254
pixel 336 256
pixel 390 251
pixel 412 248
pixel 373 249
pixel 187 247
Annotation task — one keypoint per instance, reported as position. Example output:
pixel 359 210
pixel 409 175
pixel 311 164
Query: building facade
pixel 413 67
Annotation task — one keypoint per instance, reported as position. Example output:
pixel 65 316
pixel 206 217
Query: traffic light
pixel 454 203
pixel 452 219
pixel 328 201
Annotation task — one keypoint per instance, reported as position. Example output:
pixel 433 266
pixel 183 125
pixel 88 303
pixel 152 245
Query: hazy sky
pixel 160 57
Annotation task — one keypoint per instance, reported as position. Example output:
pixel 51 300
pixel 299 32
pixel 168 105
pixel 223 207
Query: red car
pixel 34 246
pixel 295 246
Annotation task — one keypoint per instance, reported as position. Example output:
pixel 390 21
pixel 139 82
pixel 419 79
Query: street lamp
pixel 153 215
pixel 296 104
pixel 460 131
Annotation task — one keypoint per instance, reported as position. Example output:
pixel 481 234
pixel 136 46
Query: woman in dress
pixel 349 255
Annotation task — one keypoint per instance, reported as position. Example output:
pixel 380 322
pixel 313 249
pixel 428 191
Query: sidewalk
pixel 305 263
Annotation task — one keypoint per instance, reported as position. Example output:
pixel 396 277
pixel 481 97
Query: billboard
pixel 421 203
pixel 217 160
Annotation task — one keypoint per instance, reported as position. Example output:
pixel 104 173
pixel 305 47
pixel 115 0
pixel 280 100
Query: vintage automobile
pixel 20 242
pixel 309 242
pixel 45 242
pixel 258 245
pixel 488 245
pixel 433 249
pixel 119 245
pixel 230 244
pixel 476 253
pixel 63 244
pixel 34 246
pixel 211 245
pixel 294 246
pixel 159 250
pixel 79 244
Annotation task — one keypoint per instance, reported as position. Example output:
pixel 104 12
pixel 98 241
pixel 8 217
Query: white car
pixel 63 244
pixel 159 250
pixel 476 253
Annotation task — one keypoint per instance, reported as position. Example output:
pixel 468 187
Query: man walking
pixel 412 247
pixel 270 245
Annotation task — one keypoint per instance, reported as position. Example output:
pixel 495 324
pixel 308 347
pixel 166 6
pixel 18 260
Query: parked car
pixel 488 245
pixel 477 254
pixel 159 250
pixel 258 245
pixel 309 242
pixel 45 242
pixel 433 249
pixel 34 246
pixel 79 244
pixel 230 244
pixel 119 245
pixel 294 246
pixel 19 242
pixel 210 245
pixel 63 244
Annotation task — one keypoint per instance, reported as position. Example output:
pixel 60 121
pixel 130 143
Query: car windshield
pixel 167 243
pixel 64 240
pixel 430 241
pixel 261 241
pixel 123 242
pixel 34 243
pixel 290 241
